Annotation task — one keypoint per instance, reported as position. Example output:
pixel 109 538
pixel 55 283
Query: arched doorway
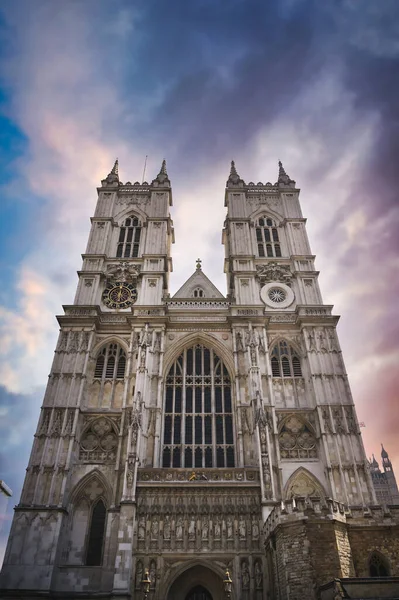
pixel 199 593
pixel 198 582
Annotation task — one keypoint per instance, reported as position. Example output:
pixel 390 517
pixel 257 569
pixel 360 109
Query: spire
pixel 113 175
pixel 162 177
pixel 384 453
pixel 283 179
pixel 115 169
pixel 234 178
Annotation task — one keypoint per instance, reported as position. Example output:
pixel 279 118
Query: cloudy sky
pixel 312 83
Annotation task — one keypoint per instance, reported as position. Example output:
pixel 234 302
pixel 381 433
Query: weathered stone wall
pixel 314 542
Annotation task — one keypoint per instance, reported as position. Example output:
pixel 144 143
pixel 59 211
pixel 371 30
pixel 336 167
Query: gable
pixel 198 281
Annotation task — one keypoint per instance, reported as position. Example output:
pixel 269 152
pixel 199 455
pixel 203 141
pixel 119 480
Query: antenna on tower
pixel 145 165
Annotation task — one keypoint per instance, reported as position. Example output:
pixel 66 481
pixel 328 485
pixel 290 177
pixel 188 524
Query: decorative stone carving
pixel 327 420
pixel 258 576
pixel 338 420
pixel 296 439
pixel 99 441
pixel 272 272
pixel 125 272
pixel 350 419
pixel 139 574
pixel 245 577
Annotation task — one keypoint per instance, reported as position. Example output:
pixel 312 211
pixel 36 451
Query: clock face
pixel 120 295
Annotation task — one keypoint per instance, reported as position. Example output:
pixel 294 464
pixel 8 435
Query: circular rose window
pixel 277 295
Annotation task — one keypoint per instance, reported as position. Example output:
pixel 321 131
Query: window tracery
pixel 285 361
pixel 129 238
pixel 296 439
pixel 110 363
pixel 378 565
pixel 267 238
pixel 198 421
pixel 99 441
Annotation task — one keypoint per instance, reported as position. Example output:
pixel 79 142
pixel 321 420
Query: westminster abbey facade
pixel 185 440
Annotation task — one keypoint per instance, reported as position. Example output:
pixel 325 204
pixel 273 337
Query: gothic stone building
pixel 196 433
pixel 385 486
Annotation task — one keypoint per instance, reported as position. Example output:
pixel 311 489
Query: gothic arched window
pixel 95 539
pixel 378 565
pixel 111 363
pixel 267 238
pixel 129 238
pixel 284 361
pixel 198 421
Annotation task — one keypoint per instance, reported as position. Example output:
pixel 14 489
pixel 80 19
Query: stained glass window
pixel 198 422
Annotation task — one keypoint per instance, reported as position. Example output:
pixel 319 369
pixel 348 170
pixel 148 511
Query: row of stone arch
pixel 173 352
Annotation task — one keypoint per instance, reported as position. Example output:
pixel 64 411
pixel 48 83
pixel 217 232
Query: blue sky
pixel 200 83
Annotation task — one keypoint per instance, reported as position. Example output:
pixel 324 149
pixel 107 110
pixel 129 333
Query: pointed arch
pixel 285 358
pixel 378 565
pixel 82 489
pixel 127 212
pixel 199 337
pixel 294 345
pixel 110 339
pixel 266 211
pixel 198 416
pixel 195 572
pixel 303 483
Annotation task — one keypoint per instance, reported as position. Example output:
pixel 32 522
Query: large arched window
pixel 378 565
pixel 267 238
pixel 198 421
pixel 95 540
pixel 111 363
pixel 285 361
pixel 129 238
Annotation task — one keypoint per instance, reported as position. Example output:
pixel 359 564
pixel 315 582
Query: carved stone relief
pixel 296 439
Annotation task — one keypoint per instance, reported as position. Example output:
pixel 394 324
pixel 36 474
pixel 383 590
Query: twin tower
pixel 183 437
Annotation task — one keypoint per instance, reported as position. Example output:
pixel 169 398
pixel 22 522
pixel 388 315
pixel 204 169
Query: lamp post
pixel 227 585
pixel 145 584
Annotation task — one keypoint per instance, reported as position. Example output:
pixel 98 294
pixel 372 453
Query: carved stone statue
pixel 179 529
pixel 191 529
pixel 245 578
pixel 166 528
pixel 141 528
pixel 242 529
pixel 154 529
pixel 255 529
pixel 139 574
pixel 258 576
pixel 229 528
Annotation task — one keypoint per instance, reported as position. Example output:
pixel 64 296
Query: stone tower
pixel 189 435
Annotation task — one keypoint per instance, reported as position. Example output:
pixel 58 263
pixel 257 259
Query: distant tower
pixel 390 476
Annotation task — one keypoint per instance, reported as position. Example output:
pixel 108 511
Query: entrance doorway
pixel 199 593
pixel 198 582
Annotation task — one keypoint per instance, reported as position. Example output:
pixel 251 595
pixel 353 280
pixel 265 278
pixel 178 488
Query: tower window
pixel 284 361
pixel 267 238
pixel 198 293
pixel 129 238
pixel 198 421
pixel 378 565
pixel 96 535
pixel 111 363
